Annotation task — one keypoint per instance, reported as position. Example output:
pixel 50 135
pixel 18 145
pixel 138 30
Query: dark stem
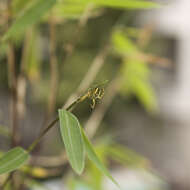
pixel 13 89
pixel 12 79
pixel 53 67
pixel 33 145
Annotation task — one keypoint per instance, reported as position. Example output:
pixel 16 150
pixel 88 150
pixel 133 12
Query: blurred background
pixel 50 55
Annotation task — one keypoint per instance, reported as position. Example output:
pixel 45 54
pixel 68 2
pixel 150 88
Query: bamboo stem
pixel 12 80
pixel 53 68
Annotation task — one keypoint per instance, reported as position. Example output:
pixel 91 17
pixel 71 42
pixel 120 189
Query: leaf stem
pixel 52 124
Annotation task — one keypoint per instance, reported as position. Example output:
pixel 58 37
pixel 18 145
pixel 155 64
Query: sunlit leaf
pixel 72 138
pixel 123 4
pixel 94 158
pixel 30 15
pixel 127 4
pixel 126 156
pixel 69 10
pixel 95 176
pixel 134 71
pixel 32 63
pixel 136 81
pixel 144 92
pixel 13 160
pixel 122 44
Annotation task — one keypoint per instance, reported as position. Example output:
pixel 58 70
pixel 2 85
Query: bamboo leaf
pixel 126 156
pixel 127 4
pixel 123 4
pixel 145 93
pixel 30 15
pixel 72 138
pixel 122 44
pixel 13 160
pixel 94 158
pixel 69 9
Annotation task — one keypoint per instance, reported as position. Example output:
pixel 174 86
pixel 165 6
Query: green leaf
pixel 30 15
pixel 69 9
pixel 13 160
pixel 126 156
pixel 135 72
pixel 32 63
pixel 127 4
pixel 123 4
pixel 72 138
pixel 94 158
pixel 136 81
pixel 145 93
pixel 122 44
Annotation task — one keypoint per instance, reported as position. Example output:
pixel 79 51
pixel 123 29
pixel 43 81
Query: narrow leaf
pixel 145 93
pixel 94 158
pixel 123 4
pixel 29 16
pixel 127 4
pixel 13 160
pixel 126 156
pixel 122 44
pixel 72 138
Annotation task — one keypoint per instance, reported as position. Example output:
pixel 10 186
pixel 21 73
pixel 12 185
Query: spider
pixel 94 94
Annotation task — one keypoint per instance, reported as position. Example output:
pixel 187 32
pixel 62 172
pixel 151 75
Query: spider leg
pixel 93 103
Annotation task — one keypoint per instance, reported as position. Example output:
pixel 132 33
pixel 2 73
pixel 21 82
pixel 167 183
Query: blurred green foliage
pixel 83 26
pixel 135 71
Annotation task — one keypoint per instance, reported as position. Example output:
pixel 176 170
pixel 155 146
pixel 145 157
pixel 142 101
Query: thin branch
pixel 52 124
pixel 70 47
pixel 35 143
pixel 156 60
pixel 12 79
pixel 91 74
pixel 50 161
pixel 13 88
pixel 22 82
pixel 53 68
